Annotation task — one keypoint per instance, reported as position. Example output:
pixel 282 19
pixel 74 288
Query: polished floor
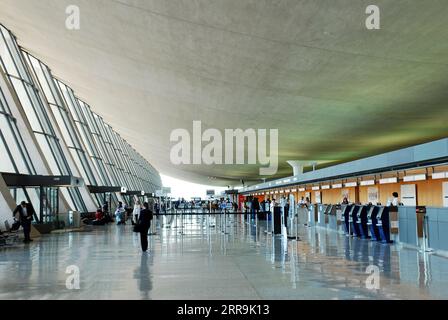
pixel 193 261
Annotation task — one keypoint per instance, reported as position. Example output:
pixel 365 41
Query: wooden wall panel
pixel 363 194
pixel 429 193
pixel 331 196
pixel 385 191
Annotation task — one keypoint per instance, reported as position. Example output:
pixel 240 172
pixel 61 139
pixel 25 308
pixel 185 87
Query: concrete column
pixel 297 166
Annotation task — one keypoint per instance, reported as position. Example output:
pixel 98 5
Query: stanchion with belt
pixel 425 244
pixel 181 223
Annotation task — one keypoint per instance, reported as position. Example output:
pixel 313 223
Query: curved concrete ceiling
pixel 335 90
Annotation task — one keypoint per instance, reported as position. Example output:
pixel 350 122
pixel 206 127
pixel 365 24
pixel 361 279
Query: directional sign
pixel 166 190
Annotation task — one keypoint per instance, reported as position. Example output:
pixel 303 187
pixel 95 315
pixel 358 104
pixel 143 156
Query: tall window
pixel 14 156
pixel 58 105
pixel 14 63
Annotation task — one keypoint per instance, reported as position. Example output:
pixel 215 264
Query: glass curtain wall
pixel 15 66
pixel 14 156
pixel 79 111
pixel 100 155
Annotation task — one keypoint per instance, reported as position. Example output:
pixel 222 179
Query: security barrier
pixel 437 228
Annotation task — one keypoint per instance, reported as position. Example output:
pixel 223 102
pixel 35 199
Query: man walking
pixel 26 213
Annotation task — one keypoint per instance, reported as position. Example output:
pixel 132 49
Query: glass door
pixel 49 204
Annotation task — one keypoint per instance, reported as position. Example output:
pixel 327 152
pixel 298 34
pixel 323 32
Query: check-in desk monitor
pixel 372 222
pixel 345 211
pixel 327 213
pixel 352 211
pixel 362 221
pixel 345 218
pixel 354 220
pixel 383 224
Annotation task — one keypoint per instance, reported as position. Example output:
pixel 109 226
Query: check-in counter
pixel 322 208
pixel 437 228
pixel 407 217
pixel 313 215
pixel 361 220
pixel 327 214
pixel 302 214
pixel 412 225
pixel 333 217
pixel 345 218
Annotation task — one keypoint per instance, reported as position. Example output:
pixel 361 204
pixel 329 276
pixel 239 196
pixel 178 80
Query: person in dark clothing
pixel 105 207
pixel 25 213
pixel 144 221
pixel 286 213
pixel 255 207
pixel 106 214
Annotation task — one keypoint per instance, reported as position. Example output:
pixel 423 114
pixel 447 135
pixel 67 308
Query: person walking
pixel 144 223
pixel 286 212
pixel 136 212
pixel 255 207
pixel 120 213
pixel 25 214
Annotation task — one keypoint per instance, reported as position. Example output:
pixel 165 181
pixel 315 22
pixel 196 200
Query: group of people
pixel 23 216
pixel 141 218
pixel 122 214
pixel 102 216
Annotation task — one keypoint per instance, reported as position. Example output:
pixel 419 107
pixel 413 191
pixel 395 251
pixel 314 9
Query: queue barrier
pixel 407 219
pixel 333 218
pixel 437 228
pixel 321 208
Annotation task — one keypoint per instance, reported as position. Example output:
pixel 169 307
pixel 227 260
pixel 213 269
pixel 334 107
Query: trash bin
pixel 63 219
pixel 277 220
pixel 74 219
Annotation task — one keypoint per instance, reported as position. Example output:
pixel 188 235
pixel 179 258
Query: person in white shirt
pixel 136 212
pixel 395 200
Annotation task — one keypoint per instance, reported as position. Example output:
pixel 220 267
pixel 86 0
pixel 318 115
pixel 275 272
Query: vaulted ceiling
pixel 309 68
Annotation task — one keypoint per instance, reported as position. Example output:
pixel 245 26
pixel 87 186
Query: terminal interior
pixel 358 208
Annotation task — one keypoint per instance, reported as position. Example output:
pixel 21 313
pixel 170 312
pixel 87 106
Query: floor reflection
pixel 216 258
pixel 143 276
